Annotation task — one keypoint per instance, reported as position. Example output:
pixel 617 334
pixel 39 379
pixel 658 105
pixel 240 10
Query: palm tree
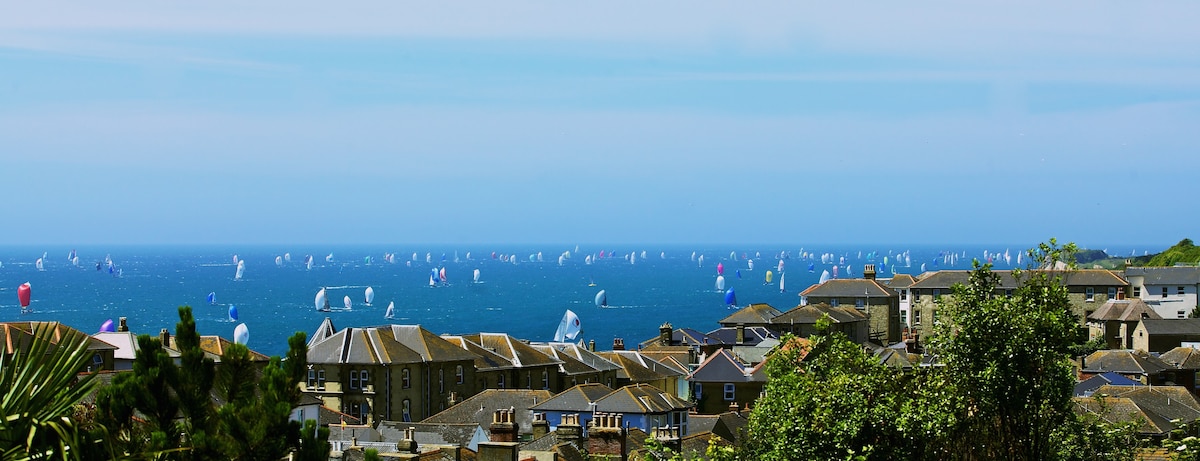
pixel 42 385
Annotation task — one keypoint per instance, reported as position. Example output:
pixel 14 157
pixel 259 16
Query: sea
pixel 523 290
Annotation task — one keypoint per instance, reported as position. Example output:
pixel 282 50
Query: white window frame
pixel 362 379
pixel 1089 294
pixel 354 379
pixel 458 374
pixel 405 379
pixel 320 380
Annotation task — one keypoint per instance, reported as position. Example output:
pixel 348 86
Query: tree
pixel 829 400
pixel 42 390
pixel 314 442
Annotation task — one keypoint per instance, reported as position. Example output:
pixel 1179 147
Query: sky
pixel 379 122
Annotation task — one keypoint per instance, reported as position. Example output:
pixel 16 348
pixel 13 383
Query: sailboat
pixel 279 261
pixel 769 277
pixel 241 267
pixel 720 283
pixel 568 328
pixel 369 295
pixel 731 298
pixel 346 302
pixel 591 282
pixel 781 277
pixel 824 277
pixel 442 275
pixel 391 311
pixel 601 299
pixel 241 334
pixel 475 276
pixel 287 257
pixel 321 301
pixel 212 297
pixel 329 258
pixel 308 262
pixel 749 264
pixel 38 265
pixel 233 313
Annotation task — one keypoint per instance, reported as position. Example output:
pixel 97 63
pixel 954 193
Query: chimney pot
pixel 122 326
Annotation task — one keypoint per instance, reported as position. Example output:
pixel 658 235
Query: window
pixel 1164 292
pixel 937 294
pixel 608 382
pixel 1180 291
pixel 1137 292
pixel 312 378
pixel 406 410
pixel 354 379
pixel 320 380
pixel 98 360
pixel 363 411
pixel 1182 314
pixel 917 317
pixel 458 374
pixel 362 380
pixel 935 315
pixel 917 294
pixel 1112 292
pixel 441 381
pixel 698 387
pixel 1090 294
pixel 729 394
pixel 500 382
pixel 903 295
pixel 545 379
pixel 859 302
pixel 833 302
pixel 355 410
pixel 529 380
pixel 1008 293
pixel 904 317
pixel 405 382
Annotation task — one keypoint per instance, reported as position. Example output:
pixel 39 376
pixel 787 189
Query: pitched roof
pixel 18 335
pixel 1171 326
pixel 753 335
pixel 425 433
pixel 1121 410
pixel 1182 357
pixel 812 312
pixel 722 367
pixel 576 399
pixel 485 360
pixel 324 330
pixel 431 346
pixel 584 355
pixel 837 288
pixel 729 425
pixel 1168 402
pixel 750 315
pixel 1079 277
pixel 478 409
pixel 1182 275
pixel 1124 361
pixel 388 344
pixel 1086 387
pixel 640 399
pixel 688 337
pixel 1124 310
pixel 639 368
pixel 517 352
pixel 900 281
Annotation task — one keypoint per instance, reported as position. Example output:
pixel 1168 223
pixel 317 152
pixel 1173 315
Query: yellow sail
pixel 770 275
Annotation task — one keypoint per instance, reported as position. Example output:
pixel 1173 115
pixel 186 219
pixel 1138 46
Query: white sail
pixel 321 301
pixel 75 261
pixel 561 259
pixel 287 257
pixel 391 311
pixel 241 334
pixel 329 258
pixel 781 278
pixel 568 328
pixel 346 302
pixel 749 264
pixel 824 276
pixel 475 277
pixel 308 262
pixel 720 283
pixel 39 265
pixel 279 261
pixel 700 261
pixel 241 268
pixel 369 294
pixel 779 268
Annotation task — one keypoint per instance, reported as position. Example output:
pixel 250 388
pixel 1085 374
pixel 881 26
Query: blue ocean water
pixel 526 299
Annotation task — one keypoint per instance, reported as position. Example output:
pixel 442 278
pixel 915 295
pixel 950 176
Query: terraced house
pixel 1170 291
pixel 390 372
pixel 878 302
pixel 1088 289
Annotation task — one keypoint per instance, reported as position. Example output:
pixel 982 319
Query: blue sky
pixel 612 122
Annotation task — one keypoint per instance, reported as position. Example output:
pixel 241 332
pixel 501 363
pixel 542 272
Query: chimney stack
pixel 569 430
pixel 164 337
pixel 591 345
pixel 664 334
pixel 618 344
pixel 869 272
pixel 502 428
pixel 668 436
pixel 121 325
pixel 741 333
pixel 541 427
pixel 409 443
pixel 607 437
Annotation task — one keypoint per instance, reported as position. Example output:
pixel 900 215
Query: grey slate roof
pixel 1182 357
pixel 1172 326
pixel 1124 361
pixel 836 288
pixel 1124 310
pixel 1168 402
pixel 1185 275
pixel 451 434
pixel 478 409
pixel 586 356
pixel 812 312
pixel 517 352
pixel 753 335
pixel 485 359
pixel 639 368
pixel 576 399
pixel 900 281
pixel 1079 277
pixel 751 315
pixel 722 367
pixel 640 399
pixel 382 345
pixel 1086 387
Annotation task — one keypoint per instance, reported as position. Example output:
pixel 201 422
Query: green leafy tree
pixel 42 390
pixel 827 401
pixel 314 442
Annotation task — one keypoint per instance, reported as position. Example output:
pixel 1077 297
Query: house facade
pixel 391 372
pixel 1170 291
pixel 878 303
pixel 722 382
